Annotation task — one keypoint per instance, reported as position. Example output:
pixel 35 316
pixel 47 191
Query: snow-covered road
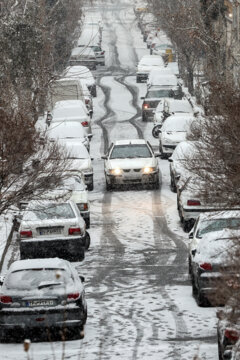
pixel 139 296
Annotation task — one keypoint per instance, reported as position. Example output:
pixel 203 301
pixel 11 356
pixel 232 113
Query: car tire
pixel 155 131
pixel 94 91
pixel 144 118
pixel 156 184
pixel 137 79
pixel 87 240
pixel 186 225
pixel 108 186
pixel 90 187
pixel 87 222
pixel 173 185
pixel 201 299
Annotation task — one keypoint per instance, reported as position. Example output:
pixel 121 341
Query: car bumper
pixel 63 247
pixel 142 76
pixel 40 318
pixel 142 179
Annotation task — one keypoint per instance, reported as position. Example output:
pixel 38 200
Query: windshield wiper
pixel 44 285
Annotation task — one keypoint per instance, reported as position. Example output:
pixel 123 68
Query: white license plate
pixel 32 303
pixel 50 231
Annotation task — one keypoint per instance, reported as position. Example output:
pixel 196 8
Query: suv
pixel 154 95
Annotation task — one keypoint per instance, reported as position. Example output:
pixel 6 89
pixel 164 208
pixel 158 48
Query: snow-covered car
pixel 42 294
pixel 160 49
pixel 146 64
pixel 83 56
pixel 183 151
pixel 158 73
pixel 173 131
pixel 153 97
pixel 173 66
pixel 214 224
pixel 81 161
pixel 84 74
pixel 72 110
pixel 162 79
pixel 131 162
pixel 169 107
pixel 68 130
pixel 212 264
pixel 52 228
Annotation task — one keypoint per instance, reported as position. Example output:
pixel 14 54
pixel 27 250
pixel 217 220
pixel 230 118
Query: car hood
pixel 146 68
pixel 81 164
pixel 174 137
pixel 131 163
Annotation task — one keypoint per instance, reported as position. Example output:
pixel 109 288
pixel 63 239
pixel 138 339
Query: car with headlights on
pixel 44 296
pixel 131 162
pixel 52 228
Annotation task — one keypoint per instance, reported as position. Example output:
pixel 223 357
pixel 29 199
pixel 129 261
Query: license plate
pixel 32 303
pixel 50 231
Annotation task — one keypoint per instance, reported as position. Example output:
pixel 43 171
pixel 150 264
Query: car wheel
pixel 156 184
pixel 173 186
pixel 155 131
pixel 220 355
pixel 137 79
pixel 186 225
pixel 90 186
pixel 108 186
pixel 94 91
pixel 190 267
pixel 87 240
pixel 85 316
pixel 87 222
pixel 201 299
pixel 144 118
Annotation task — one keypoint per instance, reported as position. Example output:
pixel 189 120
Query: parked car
pixel 84 74
pixel 160 49
pixel 68 130
pixel 146 64
pixel 84 56
pixel 88 98
pixel 131 162
pixel 158 73
pixel 173 131
pixel 52 228
pixel 72 110
pixel 42 294
pixel 212 265
pixel 183 151
pixel 81 161
pixel 65 89
pixel 161 79
pixel 153 97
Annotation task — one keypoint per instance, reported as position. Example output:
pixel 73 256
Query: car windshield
pixel 52 211
pixel 130 151
pixel 30 279
pixel 158 93
pixel 218 225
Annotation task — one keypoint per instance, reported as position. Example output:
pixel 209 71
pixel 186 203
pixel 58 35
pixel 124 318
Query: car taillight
pixel 145 106
pixel 193 202
pixel 26 234
pixel 83 206
pixel 206 266
pixel 84 123
pixel 103 52
pixel 73 296
pixel 74 231
pixel 5 299
pixel 231 335
pixel 87 101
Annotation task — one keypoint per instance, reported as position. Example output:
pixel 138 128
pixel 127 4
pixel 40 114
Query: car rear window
pixel 52 211
pixel 159 93
pixel 218 225
pixel 130 151
pixel 29 279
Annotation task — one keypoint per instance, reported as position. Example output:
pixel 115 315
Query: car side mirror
pixel 170 159
pixel 194 252
pixel 104 157
pixel 190 236
pixel 90 136
pixel 82 278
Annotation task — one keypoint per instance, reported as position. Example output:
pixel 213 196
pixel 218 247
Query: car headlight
pixel 115 171
pixel 148 170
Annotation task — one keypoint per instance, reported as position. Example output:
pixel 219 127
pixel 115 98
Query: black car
pixel 44 296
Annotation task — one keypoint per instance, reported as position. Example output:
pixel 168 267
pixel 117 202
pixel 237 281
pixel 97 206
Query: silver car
pixel 45 295
pixel 51 228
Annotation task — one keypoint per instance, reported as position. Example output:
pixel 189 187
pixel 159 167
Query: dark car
pixel 42 295
pixel 154 95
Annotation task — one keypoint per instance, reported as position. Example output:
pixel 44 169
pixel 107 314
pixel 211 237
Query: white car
pixel 131 162
pixel 52 228
pixel 156 73
pixel 173 131
pixel 81 161
pixel 160 49
pixel 68 130
pixel 72 110
pixel 146 64
pixel 84 74
pixel 83 56
pixel 161 79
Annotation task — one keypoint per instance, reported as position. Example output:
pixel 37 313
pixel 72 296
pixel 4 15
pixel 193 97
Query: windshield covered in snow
pixel 30 279
pixel 218 225
pixel 130 151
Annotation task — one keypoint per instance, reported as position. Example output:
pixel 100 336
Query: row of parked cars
pixel 43 292
pixel 213 230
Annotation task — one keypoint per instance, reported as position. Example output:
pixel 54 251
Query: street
pixel 139 295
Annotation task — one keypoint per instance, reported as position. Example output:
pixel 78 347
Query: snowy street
pixel 139 296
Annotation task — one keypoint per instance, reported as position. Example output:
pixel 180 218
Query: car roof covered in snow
pixel 39 264
pixel 224 214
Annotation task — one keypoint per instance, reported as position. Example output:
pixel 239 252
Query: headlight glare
pixel 115 171
pixel 148 170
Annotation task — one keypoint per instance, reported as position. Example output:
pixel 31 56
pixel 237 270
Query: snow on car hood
pixel 81 164
pixel 146 68
pixel 173 137
pixel 136 163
